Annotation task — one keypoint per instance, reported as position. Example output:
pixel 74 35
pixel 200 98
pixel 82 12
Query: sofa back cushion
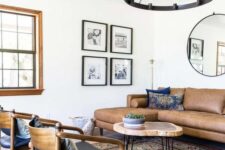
pixel 206 100
pixel 177 91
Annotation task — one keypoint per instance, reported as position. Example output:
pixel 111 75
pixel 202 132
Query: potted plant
pixel 133 120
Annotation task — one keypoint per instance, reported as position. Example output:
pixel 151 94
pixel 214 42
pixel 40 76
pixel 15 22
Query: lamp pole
pixel 152 72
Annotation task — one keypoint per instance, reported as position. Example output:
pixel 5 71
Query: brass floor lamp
pixel 152 72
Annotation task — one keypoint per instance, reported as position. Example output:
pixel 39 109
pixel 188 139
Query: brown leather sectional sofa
pixel 203 115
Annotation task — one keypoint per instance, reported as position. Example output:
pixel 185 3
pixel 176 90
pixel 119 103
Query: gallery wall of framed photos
pixel 95 67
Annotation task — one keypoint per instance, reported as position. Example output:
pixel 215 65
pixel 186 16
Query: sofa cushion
pixel 159 91
pixel 162 101
pixel 194 119
pixel 177 91
pixel 139 103
pixel 115 115
pixel 131 97
pixel 207 100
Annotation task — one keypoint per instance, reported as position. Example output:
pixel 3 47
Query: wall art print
pixel 94 71
pixel 121 71
pixel 94 36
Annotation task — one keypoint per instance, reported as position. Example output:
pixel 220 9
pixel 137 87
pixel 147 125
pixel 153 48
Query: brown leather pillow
pixel 206 100
pixel 139 103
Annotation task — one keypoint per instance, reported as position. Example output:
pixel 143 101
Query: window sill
pixel 17 92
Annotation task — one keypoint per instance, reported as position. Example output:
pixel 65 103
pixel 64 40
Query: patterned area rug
pixel 154 144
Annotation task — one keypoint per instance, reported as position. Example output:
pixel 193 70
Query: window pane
pixel 25 41
pixel 10 60
pixel 9 22
pixel 0 61
pixel 10 78
pixel 25 78
pixel 0 39
pixel 25 61
pixel 25 24
pixel 9 40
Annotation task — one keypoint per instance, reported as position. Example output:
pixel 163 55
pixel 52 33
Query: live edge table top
pixel 164 129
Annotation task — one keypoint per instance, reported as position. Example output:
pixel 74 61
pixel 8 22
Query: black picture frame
pixel 94 72
pixel 103 39
pixel 122 47
pixel 196 52
pixel 125 75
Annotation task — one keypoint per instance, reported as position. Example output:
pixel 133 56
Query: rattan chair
pixel 50 138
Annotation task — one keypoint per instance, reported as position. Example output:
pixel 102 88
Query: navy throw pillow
pixel 159 91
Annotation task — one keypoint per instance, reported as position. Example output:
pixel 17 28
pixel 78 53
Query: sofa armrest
pixel 137 100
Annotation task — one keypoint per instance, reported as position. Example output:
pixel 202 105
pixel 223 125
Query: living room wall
pixel 172 30
pixel 64 96
pixel 162 34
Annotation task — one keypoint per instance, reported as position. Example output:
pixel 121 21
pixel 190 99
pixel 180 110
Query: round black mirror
pixel 206 46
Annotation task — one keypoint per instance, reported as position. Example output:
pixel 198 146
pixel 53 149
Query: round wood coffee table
pixel 161 129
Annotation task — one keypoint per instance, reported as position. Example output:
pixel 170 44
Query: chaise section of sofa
pixel 105 118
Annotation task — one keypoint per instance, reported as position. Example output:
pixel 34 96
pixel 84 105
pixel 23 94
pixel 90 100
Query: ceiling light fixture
pixel 173 4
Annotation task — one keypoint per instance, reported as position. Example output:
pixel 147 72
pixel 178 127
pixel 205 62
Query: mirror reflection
pixel 206 46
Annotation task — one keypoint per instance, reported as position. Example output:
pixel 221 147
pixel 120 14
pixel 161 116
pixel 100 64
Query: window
pixel 20 51
pixel 220 58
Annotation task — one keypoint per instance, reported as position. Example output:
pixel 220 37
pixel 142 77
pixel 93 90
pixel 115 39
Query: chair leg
pixel 101 131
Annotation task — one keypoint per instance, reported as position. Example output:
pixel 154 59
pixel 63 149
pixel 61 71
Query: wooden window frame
pixel 219 43
pixel 37 14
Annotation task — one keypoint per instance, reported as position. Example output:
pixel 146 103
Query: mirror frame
pixel 188 44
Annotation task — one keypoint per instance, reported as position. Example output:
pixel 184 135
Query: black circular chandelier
pixel 179 5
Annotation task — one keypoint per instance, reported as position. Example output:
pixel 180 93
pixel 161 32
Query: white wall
pixel 164 32
pixel 172 30
pixel 64 96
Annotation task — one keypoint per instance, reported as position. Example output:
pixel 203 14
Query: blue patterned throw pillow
pixel 159 91
pixel 166 102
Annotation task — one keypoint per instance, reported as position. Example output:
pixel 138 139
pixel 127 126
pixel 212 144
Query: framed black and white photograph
pixel 121 40
pixel 94 71
pixel 196 48
pixel 121 71
pixel 94 36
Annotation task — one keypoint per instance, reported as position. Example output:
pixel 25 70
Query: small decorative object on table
pixel 134 121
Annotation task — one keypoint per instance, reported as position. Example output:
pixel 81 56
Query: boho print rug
pixel 155 144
